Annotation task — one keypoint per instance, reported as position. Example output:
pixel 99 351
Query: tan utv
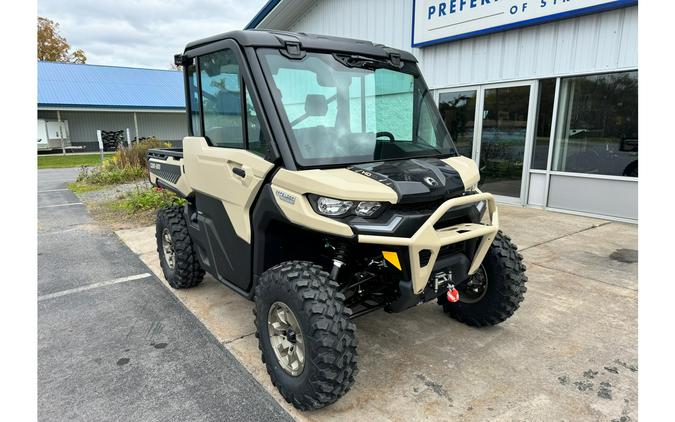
pixel 321 183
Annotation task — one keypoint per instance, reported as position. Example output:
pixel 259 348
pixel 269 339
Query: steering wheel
pixel 387 134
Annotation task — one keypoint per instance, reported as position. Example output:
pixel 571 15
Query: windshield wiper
pixel 369 63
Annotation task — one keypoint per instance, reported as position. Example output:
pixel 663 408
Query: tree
pixel 53 47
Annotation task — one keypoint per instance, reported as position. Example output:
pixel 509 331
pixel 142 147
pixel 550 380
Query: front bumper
pixel 430 239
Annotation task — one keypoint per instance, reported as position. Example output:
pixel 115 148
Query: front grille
pixel 419 207
pixel 451 218
pixel 451 249
pixel 428 206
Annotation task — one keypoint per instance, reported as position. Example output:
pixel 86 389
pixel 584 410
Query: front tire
pixel 495 291
pixel 177 255
pixel 298 307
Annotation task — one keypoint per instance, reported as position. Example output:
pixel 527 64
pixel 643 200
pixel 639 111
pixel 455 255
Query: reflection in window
pixel 458 110
pixel 221 99
pixel 544 120
pixel 194 100
pixel 597 130
pixel 340 112
pixel 257 141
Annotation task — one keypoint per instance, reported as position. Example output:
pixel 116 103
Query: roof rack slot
pixel 293 50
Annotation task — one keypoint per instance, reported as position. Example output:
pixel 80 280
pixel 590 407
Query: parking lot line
pixel 52 190
pixel 93 286
pixel 61 205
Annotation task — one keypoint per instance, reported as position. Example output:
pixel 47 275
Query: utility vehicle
pixel 321 183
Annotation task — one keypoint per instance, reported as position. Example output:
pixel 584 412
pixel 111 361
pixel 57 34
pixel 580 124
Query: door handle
pixel 239 172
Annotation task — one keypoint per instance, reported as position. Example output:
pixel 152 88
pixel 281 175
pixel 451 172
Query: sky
pixel 143 33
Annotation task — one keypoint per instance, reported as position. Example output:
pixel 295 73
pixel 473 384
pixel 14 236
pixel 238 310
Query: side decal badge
pixel 286 197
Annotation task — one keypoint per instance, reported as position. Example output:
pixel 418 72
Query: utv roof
pixel 279 39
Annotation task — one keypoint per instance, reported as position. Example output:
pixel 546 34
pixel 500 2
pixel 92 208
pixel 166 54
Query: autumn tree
pixel 53 47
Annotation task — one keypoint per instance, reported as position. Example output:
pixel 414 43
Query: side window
pixel 193 92
pixel 257 141
pixel 221 99
pixel 426 132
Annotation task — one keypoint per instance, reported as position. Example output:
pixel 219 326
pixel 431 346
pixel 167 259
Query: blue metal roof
pixel 94 86
pixel 262 14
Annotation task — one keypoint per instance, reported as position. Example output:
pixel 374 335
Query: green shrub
pixel 126 165
pixel 135 156
pixel 108 175
pixel 149 199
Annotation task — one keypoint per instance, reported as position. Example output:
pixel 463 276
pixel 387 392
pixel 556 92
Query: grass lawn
pixel 81 187
pixel 69 160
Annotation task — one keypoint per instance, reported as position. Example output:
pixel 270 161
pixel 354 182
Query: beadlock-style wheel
pixel 286 338
pixel 305 334
pixel 474 289
pixel 167 247
pixel 177 256
pixel 495 291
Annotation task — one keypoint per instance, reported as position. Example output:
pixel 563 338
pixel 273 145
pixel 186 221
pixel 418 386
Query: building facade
pixel 541 94
pixel 75 101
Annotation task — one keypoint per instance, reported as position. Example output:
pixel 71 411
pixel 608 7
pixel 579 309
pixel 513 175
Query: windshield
pixel 342 109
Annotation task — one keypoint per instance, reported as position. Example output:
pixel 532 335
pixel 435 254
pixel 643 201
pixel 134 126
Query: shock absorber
pixel 339 261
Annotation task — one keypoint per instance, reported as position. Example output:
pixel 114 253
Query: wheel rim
pixel 167 246
pixel 475 287
pixel 286 338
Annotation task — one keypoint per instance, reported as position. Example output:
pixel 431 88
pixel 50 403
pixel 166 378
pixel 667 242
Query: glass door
pixel 504 130
pixel 458 110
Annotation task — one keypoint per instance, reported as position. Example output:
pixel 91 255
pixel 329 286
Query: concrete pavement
pixel 113 343
pixel 569 353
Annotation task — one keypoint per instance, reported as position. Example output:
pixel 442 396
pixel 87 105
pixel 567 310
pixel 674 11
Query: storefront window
pixel 458 110
pixel 597 129
pixel 544 120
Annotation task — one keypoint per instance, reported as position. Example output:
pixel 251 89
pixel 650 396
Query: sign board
pixel 437 21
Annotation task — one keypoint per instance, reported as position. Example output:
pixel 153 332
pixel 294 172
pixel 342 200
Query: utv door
pixel 222 168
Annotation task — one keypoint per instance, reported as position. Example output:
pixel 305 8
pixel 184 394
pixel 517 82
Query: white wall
pixel 600 42
pixel 83 124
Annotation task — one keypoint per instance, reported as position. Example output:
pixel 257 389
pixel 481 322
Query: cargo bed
pixel 163 153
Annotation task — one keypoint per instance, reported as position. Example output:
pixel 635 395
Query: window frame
pixel 272 153
pixel 301 164
pixel 242 117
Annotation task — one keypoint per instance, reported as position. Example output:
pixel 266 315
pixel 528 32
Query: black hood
pixel 415 179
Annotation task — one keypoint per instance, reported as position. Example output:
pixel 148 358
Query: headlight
pixel 333 207
pixel 367 208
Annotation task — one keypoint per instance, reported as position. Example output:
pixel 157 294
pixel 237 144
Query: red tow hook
pixel 453 295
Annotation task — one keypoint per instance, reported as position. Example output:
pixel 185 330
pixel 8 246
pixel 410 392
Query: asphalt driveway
pixel 113 343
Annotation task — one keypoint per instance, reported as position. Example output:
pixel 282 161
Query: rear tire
pixel 505 272
pixel 181 267
pixel 326 334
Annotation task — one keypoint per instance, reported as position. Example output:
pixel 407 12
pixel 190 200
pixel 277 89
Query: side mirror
pixel 316 105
